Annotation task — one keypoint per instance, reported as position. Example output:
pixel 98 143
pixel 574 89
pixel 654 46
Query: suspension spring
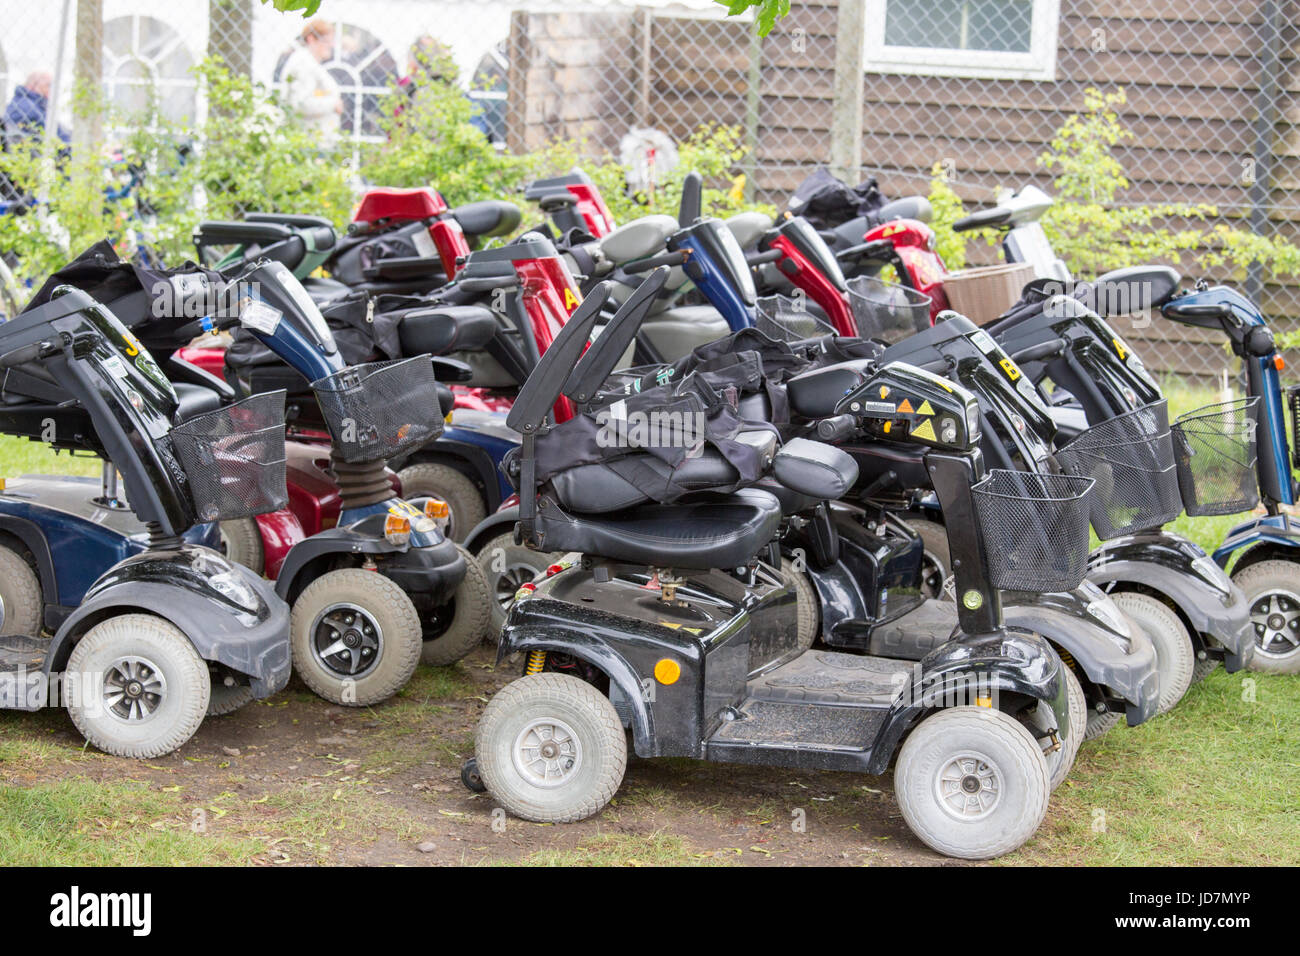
pixel 536 661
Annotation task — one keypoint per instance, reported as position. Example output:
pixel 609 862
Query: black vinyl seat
pixel 489 217
pixel 816 394
pixel 696 533
pixel 194 400
pixel 448 328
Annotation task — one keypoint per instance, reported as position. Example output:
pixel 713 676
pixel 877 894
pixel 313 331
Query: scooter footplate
pixel 22 653
pixel 791 726
pixel 827 677
pixel 916 633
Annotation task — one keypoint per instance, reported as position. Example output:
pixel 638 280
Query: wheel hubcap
pixel 134 688
pixel 968 787
pixel 510 580
pixel 347 641
pixel 547 753
pixel 1275 617
pixel 934 583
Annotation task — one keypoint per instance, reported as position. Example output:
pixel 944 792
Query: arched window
pixel 145 58
pixel 365 72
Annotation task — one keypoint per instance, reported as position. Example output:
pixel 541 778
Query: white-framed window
pixel 147 63
pixel 996 39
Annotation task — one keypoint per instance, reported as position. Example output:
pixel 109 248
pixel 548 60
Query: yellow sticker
pixel 1119 348
pixel 571 301
pixel 925 409
pixel 925 430
pixel 905 407
pixel 1009 367
pixel 884 391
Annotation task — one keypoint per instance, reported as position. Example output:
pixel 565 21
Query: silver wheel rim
pixel 968 787
pixel 1275 616
pixel 134 689
pixel 934 583
pixel 346 640
pixel 511 579
pixel 547 753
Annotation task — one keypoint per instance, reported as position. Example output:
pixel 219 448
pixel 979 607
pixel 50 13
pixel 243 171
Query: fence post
pixel 1270 57
pixel 850 86
pixel 87 72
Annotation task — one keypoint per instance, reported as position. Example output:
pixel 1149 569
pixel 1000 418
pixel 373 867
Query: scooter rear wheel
pixel 20 596
pixel 432 480
pixel 1175 655
pixel 471 621
pixel 356 637
pixel 972 783
pixel 241 540
pixel 506 566
pixel 142 689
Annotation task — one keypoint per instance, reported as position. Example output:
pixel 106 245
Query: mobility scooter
pixel 663 619
pixel 139 655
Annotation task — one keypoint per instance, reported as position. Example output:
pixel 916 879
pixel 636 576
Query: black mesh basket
pixel 1035 529
pixel 886 310
pixel 380 410
pixel 1214 447
pixel 1132 458
pixel 789 320
pixel 234 458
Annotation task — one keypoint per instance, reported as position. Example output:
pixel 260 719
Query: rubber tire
pixel 1175 655
pixel 1203 669
pixel 1257 579
pixel 20 595
pixel 431 480
pixel 594 721
pixel 1100 724
pixel 241 540
pixel 513 554
pixel 226 700
pixel 188 686
pixel 991 734
pixel 473 621
pixel 934 537
pixel 1060 762
pixel 808 607
pixel 394 613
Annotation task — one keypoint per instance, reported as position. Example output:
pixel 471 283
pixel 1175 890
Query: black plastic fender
pixel 1122 663
pixel 230 615
pixel 1176 569
pixel 433 569
pixel 539 624
pixel 1014 662
pixel 491 526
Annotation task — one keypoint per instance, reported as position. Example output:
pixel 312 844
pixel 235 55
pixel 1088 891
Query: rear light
pixel 524 590
pixel 397 529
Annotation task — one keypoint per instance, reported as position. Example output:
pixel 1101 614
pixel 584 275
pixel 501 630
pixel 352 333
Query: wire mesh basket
pixel 789 320
pixel 1132 458
pixel 234 458
pixel 886 310
pixel 1214 448
pixel 1035 528
pixel 382 409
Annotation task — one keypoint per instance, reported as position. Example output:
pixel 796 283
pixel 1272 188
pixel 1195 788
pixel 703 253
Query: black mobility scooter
pixel 663 618
pixel 158 636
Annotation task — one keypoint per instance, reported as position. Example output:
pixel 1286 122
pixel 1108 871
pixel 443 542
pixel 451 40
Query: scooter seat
pixel 490 217
pixel 600 488
pixel 816 394
pixel 748 227
pixel 638 239
pixel 701 532
pixel 195 400
pixel 448 328
pixel 815 469
pixel 792 502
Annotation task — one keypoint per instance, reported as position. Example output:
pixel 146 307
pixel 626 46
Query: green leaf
pixel 308 7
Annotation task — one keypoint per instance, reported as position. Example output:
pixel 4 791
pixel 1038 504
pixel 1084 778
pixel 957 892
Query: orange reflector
pixel 1279 363
pixel 984 702
pixel 667 671
pixel 436 508
pixel 396 524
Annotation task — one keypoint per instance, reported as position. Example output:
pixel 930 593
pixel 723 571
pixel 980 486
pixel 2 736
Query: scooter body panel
pixel 1279 530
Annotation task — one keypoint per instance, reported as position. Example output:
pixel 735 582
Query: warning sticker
pixel 925 409
pixel 925 430
pixel 905 408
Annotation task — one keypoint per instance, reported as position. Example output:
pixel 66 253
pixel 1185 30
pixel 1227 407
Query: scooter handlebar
pixel 1036 353
pixel 837 428
pixel 30 353
pixel 654 262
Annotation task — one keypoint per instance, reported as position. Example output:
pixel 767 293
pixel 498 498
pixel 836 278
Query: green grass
pixel 622 849
pixel 18 456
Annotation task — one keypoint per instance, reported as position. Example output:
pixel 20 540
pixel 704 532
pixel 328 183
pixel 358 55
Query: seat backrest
pixel 599 361
pixel 638 238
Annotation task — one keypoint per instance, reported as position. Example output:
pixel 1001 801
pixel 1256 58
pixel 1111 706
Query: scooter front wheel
pixel 972 783
pixel 139 688
pixel 355 636
pixel 1175 656
pixel 1272 591
pixel 551 748
pixel 468 619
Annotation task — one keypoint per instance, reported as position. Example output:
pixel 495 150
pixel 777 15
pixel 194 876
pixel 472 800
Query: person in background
pixel 309 88
pixel 431 61
pixel 25 116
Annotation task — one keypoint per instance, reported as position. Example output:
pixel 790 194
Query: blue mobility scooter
pixel 135 655
pixel 1218 445
pixel 669 619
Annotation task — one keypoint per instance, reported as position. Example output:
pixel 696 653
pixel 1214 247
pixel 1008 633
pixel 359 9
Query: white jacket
pixel 310 90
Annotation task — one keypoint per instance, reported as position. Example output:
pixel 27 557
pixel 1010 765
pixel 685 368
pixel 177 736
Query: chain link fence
pixel 888 88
